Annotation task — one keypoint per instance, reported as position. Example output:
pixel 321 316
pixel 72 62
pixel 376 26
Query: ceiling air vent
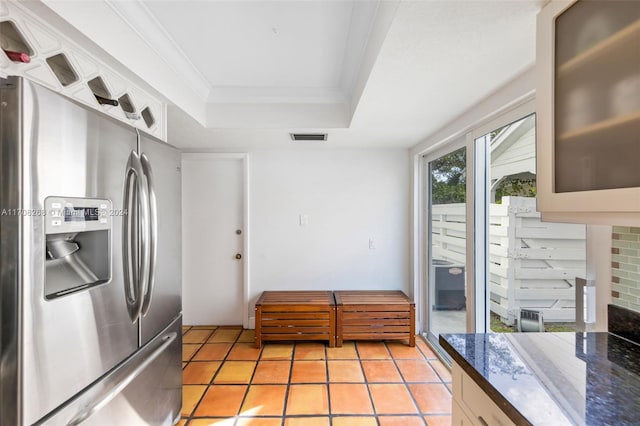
pixel 308 136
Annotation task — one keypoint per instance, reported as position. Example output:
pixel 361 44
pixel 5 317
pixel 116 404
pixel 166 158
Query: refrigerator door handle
pixel 101 401
pixel 153 232
pixel 135 237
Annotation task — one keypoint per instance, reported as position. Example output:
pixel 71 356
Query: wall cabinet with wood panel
pixel 588 111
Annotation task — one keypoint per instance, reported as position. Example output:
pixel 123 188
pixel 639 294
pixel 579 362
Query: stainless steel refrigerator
pixel 90 253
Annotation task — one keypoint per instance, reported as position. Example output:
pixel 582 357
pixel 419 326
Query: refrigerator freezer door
pixel 72 340
pixel 146 390
pixel 164 303
pixel 10 237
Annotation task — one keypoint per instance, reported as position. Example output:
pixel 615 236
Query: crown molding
pixel 362 20
pixel 141 21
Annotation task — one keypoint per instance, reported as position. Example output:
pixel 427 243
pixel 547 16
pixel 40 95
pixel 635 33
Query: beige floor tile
pixel 212 352
pixel 381 371
pixel 244 352
pixel 188 351
pixel 400 421
pixel 221 401
pixel 307 421
pixel 373 350
pixel 432 398
pixel 259 422
pixel 276 351
pixel 247 336
pixel 213 422
pixel 417 370
pixel 345 371
pixel 225 335
pixel 272 372
pixel 438 420
pixel 190 397
pixel 199 372
pixel 307 399
pixel 354 421
pixel 309 372
pixel 196 336
pixel 309 351
pixel 350 399
pixel 346 351
pixel 442 370
pixel 425 349
pixel 235 372
pixel 264 400
pixel 402 351
pixel 392 399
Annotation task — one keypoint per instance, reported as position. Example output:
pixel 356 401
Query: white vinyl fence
pixel 533 264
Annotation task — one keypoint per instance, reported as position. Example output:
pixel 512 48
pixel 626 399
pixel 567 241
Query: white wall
pixel 349 196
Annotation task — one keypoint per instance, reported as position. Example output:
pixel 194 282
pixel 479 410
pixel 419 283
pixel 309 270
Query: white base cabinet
pixel 459 416
pixel 471 405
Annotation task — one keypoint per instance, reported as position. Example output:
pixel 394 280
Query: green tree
pixel 448 178
pixel 517 188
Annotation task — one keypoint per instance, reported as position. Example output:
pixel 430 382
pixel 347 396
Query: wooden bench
pixel 295 315
pixel 374 315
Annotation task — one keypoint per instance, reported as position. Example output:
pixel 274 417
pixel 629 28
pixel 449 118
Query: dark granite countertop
pixel 554 378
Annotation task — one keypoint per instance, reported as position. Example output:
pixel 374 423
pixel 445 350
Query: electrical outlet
pixel 372 244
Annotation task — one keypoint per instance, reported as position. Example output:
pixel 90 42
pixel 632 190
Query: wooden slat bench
pixel 295 315
pixel 374 315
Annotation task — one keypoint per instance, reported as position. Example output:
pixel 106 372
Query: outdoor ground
pixel 500 327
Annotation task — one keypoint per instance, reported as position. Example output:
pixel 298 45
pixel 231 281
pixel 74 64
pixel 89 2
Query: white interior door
pixel 212 239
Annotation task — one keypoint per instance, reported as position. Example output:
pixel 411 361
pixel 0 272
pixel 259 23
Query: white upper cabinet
pixel 34 48
pixel 588 106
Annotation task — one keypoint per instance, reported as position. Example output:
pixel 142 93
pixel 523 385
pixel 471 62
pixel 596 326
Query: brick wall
pixel 625 267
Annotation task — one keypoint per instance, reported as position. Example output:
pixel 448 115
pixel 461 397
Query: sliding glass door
pixel 529 266
pixel 492 264
pixel 447 239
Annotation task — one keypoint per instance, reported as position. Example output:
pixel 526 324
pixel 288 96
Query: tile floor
pixel 227 381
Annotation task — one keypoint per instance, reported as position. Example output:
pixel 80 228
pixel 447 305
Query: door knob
pixel 238 256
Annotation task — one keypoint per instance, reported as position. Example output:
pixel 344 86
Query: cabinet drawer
pixel 480 408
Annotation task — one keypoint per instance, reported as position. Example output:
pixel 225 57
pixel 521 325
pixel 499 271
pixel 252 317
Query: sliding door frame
pixel 478 209
pixel 425 243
